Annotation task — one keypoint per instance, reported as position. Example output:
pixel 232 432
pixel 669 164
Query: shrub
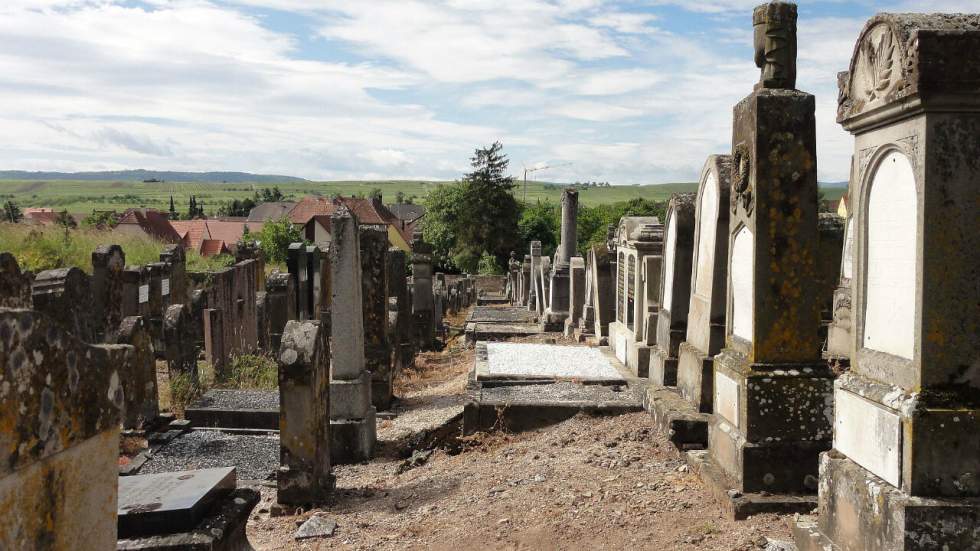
pixel 251 371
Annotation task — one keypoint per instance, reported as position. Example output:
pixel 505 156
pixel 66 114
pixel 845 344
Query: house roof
pixel 407 212
pixel 311 206
pixel 273 210
pixel 212 247
pixel 153 222
pixel 194 234
pixel 367 211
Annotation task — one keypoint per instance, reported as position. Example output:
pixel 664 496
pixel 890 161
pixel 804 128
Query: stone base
pixel 695 377
pixel 353 440
pixel 684 426
pixel 663 368
pixel 350 399
pixel 741 505
pixel 222 530
pixel 553 322
pixel 861 512
pixel 382 393
pixel 295 488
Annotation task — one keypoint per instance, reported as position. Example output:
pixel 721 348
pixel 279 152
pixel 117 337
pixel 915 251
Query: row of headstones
pixel 731 297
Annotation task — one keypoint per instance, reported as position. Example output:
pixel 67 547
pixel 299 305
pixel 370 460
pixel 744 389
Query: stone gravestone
pixel 281 305
pixel 262 327
pixel 169 503
pixel 830 231
pixel 675 288
pixel 353 432
pixel 772 391
pixel 108 263
pixel 533 303
pixel 136 291
pixel 423 303
pixel 15 287
pixel 304 475
pixel 215 352
pixel 181 343
pixel 60 444
pixel 65 294
pixel 141 402
pixel 374 293
pixel 903 474
pixel 403 349
pixel 314 272
pixel 576 295
pixel 560 282
pixel 839 331
pixel 176 260
pixel 296 263
pixel 159 296
pixel 709 280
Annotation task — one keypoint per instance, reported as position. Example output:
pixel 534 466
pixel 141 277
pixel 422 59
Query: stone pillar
pixel 709 287
pixel 576 293
pixel 422 299
pixel 374 293
pixel 903 474
pixel 214 342
pixel 353 433
pixel 178 332
pixel 675 288
pixel 65 294
pixel 534 294
pixel 772 391
pixel 262 327
pixel 525 281
pixel 559 287
pixel 281 306
pixel 569 215
pixel 108 262
pixel 296 264
pixel 304 476
pixel 60 415
pixel 141 404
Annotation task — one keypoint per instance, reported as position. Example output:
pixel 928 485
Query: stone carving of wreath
pixel 741 185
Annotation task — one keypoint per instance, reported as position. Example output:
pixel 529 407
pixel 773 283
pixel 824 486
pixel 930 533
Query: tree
pixel 173 209
pixel 541 221
pixel 439 225
pixel 399 198
pixel 488 212
pixel 11 212
pixel 375 193
pixel 275 238
pixel 101 219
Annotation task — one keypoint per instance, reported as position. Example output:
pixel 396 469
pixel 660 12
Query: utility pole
pixel 545 167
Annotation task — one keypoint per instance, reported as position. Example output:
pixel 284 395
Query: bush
pixel 251 371
pixel 488 265
pixel 276 237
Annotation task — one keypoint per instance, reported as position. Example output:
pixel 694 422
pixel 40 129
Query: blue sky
pixel 629 92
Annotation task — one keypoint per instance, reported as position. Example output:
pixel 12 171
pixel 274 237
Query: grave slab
pixel 164 503
pixel 236 409
pixel 543 361
pixel 255 457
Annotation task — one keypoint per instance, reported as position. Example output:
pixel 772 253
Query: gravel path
pixel 239 399
pixel 255 457
pixel 542 360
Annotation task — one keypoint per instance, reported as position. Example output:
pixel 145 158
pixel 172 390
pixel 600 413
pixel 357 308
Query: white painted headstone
pixel 742 284
pixel 144 294
pixel 669 246
pixel 165 286
pixel 707 222
pixel 889 323
pixel 726 397
pixel 869 434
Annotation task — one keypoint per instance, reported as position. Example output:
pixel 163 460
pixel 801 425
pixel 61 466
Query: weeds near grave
pixel 251 371
pixel 183 391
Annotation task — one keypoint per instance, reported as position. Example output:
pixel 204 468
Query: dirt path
pixel 589 483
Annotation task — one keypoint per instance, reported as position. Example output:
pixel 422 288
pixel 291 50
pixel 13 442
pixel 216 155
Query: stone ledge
pixel 685 427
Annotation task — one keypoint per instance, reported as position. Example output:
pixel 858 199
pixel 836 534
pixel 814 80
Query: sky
pixel 626 92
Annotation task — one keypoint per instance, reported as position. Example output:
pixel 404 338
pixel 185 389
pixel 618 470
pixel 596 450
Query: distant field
pixel 84 196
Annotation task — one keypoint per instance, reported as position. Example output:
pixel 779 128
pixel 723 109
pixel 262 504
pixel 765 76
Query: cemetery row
pixel 78 356
pixel 803 361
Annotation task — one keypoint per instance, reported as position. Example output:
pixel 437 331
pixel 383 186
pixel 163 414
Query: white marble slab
pixel 546 360
pixel 726 397
pixel 869 434
pixel 742 283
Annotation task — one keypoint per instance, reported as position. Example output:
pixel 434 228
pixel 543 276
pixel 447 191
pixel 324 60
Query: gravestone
pixel 560 282
pixel 15 287
pixel 830 234
pixel 423 303
pixel 534 295
pixel 403 348
pixel 215 352
pixel 60 411
pixel 675 288
pixel 903 474
pixel 108 263
pixel 639 245
pixel 141 402
pixel 576 294
pixel 281 305
pixel 296 264
pixel 181 343
pixel 772 391
pixel 525 280
pixel 374 293
pixel 602 282
pixel 304 475
pixel 176 259
pixel 136 291
pixel 709 280
pixel 169 503
pixel 353 433
pixel 159 298
pixel 262 327
pixel 314 278
pixel 65 294
pixel 839 332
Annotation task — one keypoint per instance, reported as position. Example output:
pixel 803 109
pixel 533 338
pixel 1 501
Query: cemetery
pixel 744 373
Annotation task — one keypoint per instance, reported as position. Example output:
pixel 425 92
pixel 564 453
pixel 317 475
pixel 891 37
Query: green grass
pixel 84 196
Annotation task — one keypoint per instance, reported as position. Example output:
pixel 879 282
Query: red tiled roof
pixel 367 211
pixel 309 207
pixel 212 247
pixel 194 233
pixel 154 223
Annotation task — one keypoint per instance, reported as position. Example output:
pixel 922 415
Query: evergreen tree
pixel 192 208
pixel 489 213
pixel 11 212
pixel 173 209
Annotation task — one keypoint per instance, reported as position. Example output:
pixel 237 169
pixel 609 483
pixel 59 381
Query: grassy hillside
pixel 84 196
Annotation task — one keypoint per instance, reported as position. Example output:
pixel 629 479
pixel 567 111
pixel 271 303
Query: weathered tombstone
pixel 215 352
pixel 108 263
pixel 534 300
pixel 304 475
pixel 159 301
pixel 353 433
pixel 830 233
pixel 602 283
pixel 639 244
pixel 179 335
pixel 576 293
pixel 141 404
pixel 15 287
pixel 903 474
pixel 262 327
pixel 314 267
pixel 709 286
pixel 136 291
pixel 281 305
pixel 296 263
pixel 65 294
pixel 525 281
pixel 772 391
pixel 675 288
pixel 164 504
pixel 403 351
pixel 250 250
pixel 60 412
pixel 560 282
pixel 374 293
pixel 839 332
pixel 423 302
pixel 175 257
pixel 244 326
